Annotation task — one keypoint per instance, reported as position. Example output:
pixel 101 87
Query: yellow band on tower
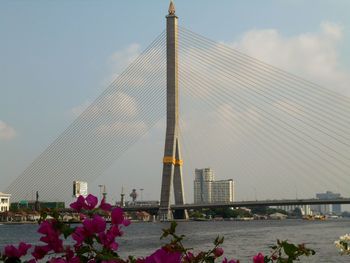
pixel 179 162
pixel 169 159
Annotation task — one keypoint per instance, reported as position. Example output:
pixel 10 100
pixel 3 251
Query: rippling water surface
pixel 242 239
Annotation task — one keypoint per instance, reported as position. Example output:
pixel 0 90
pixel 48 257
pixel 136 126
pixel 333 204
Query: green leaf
pixel 289 249
pixel 173 227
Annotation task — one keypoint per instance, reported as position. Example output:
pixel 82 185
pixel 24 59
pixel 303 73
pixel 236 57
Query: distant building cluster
pixel 207 190
pixel 327 209
pixel 304 209
pixel 322 209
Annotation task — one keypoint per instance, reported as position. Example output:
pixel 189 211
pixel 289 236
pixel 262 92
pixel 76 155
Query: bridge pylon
pixel 172 162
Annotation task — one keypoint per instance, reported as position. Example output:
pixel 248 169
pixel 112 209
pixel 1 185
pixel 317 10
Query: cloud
pixel 118 104
pixel 123 129
pixel 78 110
pixel 6 131
pixel 314 56
pixel 121 104
pixel 120 59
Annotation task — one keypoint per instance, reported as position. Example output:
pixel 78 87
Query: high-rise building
pixel 80 188
pixel 207 190
pixel 4 202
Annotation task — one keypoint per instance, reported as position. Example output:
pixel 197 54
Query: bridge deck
pixel 246 204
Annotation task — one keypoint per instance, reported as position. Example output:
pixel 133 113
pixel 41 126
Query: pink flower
pixel 78 205
pixel 108 240
pixel 79 235
pixel 118 217
pixel 218 252
pixel 87 203
pixel 74 260
pixel 95 225
pixel 230 261
pixel 259 258
pixel 51 237
pixel 12 252
pixel 189 257
pixel 161 255
pixel 90 202
pixel 58 260
pixel 40 251
pixel 70 256
pixel 105 206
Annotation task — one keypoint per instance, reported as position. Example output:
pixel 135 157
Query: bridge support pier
pixel 172 162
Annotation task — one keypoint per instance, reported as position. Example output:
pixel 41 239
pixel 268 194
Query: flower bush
pixel 343 244
pixel 94 241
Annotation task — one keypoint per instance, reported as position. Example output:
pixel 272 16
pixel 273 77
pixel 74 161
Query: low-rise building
pixel 31 205
pixel 4 202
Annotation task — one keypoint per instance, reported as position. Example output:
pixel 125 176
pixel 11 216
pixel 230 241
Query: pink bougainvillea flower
pixel 161 255
pixel 79 204
pixel 87 203
pixel 40 251
pixel 79 235
pixel 115 231
pixel 57 260
pixel 74 260
pixel 218 252
pixel 259 258
pixel 46 228
pixel 90 202
pixel 230 261
pixel 51 237
pixel 126 222
pixel 108 240
pixel 95 225
pixel 105 206
pixel 118 217
pixel 13 252
pixel 189 257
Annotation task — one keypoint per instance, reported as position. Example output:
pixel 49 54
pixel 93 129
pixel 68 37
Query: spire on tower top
pixel 171 8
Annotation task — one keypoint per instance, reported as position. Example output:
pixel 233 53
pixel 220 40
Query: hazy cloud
pixel 6 131
pixel 123 129
pixel 314 56
pixel 122 58
pixel 76 111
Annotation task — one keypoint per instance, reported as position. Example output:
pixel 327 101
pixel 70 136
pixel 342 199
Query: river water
pixel 242 239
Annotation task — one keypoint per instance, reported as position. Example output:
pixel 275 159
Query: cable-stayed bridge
pixel 286 202
pixel 259 124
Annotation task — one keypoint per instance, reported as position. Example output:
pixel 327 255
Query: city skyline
pixel 28 126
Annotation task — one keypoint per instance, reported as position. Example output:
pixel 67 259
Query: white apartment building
pixel 305 209
pixel 4 202
pixel 207 190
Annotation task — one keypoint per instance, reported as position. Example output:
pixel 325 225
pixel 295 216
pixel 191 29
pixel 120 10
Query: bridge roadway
pixel 283 202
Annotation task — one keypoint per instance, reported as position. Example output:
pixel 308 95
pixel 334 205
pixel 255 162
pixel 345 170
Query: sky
pixel 56 57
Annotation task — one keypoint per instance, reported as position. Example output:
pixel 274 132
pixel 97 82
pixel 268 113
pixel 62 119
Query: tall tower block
pixel 172 162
